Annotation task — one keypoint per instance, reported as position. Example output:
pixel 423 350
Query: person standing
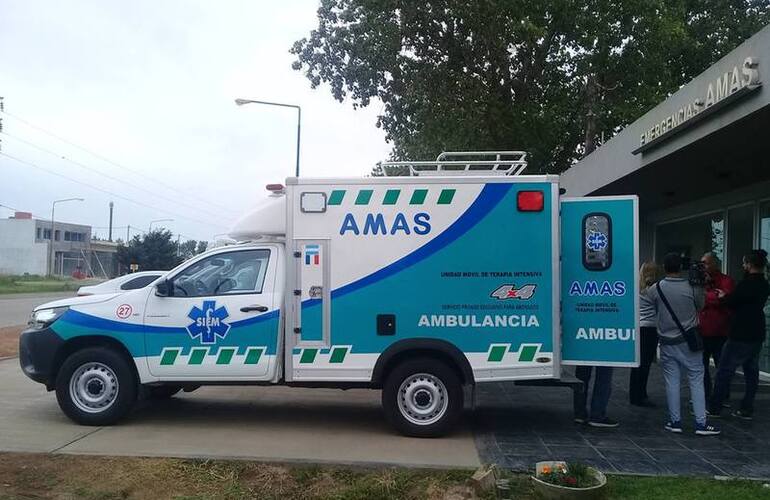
pixel 714 318
pixel 677 304
pixel 648 337
pixel 600 397
pixel 747 333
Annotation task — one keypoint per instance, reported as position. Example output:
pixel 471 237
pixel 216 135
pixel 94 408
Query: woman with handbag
pixel 747 333
pixel 677 303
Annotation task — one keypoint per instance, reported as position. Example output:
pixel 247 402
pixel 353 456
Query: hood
pixel 77 301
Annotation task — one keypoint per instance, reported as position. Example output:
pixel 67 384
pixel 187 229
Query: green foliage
pixel 549 77
pixel 157 250
pixel 574 475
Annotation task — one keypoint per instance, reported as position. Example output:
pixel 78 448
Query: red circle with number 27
pixel 124 311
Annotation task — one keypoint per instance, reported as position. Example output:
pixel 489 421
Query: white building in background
pixel 24 248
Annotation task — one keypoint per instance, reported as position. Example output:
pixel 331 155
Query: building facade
pixel 25 248
pixel 700 164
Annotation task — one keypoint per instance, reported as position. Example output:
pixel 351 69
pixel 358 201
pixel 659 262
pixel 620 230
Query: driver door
pixel 219 320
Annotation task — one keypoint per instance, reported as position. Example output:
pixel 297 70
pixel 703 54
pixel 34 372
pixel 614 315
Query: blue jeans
pixel 737 353
pixel 675 359
pixel 601 395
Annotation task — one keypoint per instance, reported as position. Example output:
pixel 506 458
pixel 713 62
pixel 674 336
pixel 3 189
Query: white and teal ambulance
pixel 462 273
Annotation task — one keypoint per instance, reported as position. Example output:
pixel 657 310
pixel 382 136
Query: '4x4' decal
pixel 208 322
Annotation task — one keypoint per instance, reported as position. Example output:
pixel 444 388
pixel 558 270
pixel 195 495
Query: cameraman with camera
pixel 677 302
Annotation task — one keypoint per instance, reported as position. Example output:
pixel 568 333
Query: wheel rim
pixel 94 387
pixel 422 399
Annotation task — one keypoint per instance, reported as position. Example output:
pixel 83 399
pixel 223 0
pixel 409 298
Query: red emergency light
pixel 530 201
pixel 275 188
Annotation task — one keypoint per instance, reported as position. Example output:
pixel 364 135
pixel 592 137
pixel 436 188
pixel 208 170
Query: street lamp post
pixel 241 102
pixel 158 220
pixel 53 232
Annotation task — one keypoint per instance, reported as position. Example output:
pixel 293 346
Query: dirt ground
pixel 9 341
pixel 28 476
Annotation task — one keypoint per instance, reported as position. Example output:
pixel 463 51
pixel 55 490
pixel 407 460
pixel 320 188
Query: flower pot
pixel 557 492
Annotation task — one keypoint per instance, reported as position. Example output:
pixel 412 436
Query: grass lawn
pixel 107 478
pixel 28 284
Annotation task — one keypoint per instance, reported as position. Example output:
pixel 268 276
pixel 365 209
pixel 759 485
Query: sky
pixel 133 102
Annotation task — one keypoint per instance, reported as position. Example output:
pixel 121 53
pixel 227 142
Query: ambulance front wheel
pixel 422 397
pixel 96 386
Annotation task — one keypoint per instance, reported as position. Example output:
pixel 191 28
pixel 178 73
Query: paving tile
pixel 563 439
pixel 657 443
pixel 521 463
pixel 574 453
pixel 615 455
pixel 522 449
pixel 640 467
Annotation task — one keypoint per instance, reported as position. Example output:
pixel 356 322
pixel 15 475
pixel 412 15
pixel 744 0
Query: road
pixel 261 423
pixel 15 308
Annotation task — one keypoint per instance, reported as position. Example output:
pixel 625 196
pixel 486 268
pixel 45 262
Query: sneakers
pixel 707 430
pixel 743 415
pixel 605 422
pixel 675 427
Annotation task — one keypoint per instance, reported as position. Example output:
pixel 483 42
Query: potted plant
pixel 561 480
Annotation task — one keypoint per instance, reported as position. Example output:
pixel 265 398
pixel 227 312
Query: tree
pixel 154 251
pixel 549 77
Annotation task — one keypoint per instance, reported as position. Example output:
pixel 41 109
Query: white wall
pixel 19 253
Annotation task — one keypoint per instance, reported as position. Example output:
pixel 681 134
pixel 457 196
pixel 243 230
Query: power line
pixel 96 171
pixel 105 159
pixel 2 153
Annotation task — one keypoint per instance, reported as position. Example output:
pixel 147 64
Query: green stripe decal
pixel 445 198
pixel 527 352
pixel 497 352
pixel 225 355
pixel 418 197
pixel 338 355
pixel 308 355
pixel 253 355
pixel 391 196
pixel 363 197
pixel 169 356
pixel 196 356
pixel 336 196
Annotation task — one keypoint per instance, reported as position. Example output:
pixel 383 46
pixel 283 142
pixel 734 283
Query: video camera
pixel 696 271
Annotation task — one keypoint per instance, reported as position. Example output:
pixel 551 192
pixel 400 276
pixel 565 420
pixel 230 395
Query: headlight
pixel 44 317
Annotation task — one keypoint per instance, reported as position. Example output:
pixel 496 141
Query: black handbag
pixel 692 335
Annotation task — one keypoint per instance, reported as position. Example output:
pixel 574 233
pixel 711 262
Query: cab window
pixel 228 273
pixel 140 282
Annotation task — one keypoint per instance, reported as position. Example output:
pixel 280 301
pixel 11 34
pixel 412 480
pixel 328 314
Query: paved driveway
pixel 15 307
pixel 270 423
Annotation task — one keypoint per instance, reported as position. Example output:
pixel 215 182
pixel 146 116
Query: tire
pixel 162 391
pixel 96 386
pixel 422 397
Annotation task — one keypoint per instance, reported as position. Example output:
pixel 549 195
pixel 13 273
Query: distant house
pixel 24 248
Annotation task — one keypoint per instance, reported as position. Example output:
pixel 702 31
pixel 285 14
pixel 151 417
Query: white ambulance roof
pixel 267 218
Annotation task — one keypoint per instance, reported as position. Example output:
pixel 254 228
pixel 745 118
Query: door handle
pixel 253 308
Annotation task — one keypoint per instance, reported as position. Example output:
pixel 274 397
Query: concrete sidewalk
pixel 262 423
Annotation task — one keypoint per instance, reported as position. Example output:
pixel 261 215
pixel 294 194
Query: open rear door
pixel 600 289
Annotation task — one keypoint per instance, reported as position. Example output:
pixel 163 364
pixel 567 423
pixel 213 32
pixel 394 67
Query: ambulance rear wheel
pixel 96 386
pixel 422 397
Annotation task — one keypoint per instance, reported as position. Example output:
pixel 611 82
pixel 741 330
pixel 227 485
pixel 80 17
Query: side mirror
pixel 164 289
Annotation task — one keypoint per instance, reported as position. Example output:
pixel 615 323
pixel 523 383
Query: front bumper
pixel 37 354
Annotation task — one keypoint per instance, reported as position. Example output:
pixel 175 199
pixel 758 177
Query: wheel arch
pixel 80 342
pixel 435 348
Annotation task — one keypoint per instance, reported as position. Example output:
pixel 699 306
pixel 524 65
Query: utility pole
pixel 109 237
pixel 128 230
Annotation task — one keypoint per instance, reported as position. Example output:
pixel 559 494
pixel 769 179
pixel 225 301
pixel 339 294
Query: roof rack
pixel 461 163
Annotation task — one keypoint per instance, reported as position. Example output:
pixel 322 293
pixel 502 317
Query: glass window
pixel 692 237
pixel 38 233
pixel 740 238
pixel 597 242
pixel 764 243
pixel 140 282
pixel 225 273
pixel 57 235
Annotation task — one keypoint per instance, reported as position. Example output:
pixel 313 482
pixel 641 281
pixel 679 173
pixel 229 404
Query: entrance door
pixel 600 289
pixel 315 295
pixel 218 320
